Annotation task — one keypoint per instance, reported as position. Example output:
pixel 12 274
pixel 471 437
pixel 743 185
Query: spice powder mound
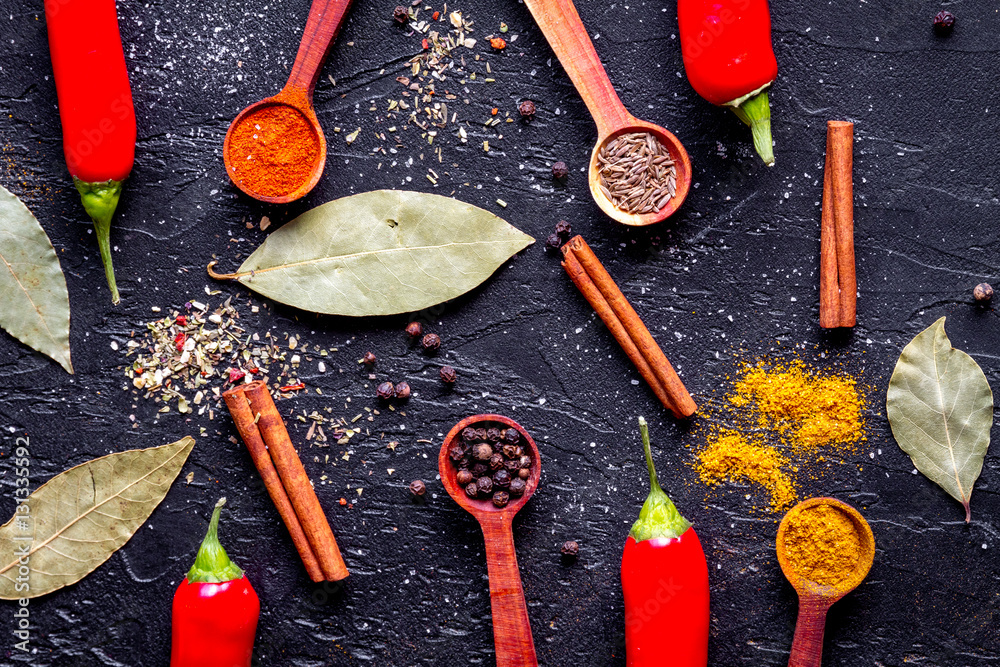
pixel 730 457
pixel 822 545
pixel 273 150
pixel 777 420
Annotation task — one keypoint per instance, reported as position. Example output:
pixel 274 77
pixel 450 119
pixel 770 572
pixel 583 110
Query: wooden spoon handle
pixel 562 27
pixel 807 647
pixel 322 26
pixel 511 629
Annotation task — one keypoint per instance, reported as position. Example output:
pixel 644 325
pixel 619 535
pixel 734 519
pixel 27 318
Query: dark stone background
pixel 744 246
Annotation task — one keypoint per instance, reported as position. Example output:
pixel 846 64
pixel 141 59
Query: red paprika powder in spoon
pixel 273 150
pixel 665 582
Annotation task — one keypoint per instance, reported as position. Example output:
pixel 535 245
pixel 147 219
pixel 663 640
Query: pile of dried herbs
pixel 190 356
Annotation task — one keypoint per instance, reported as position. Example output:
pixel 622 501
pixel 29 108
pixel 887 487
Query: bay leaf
pixel 380 253
pixel 34 301
pixel 940 408
pixel 79 518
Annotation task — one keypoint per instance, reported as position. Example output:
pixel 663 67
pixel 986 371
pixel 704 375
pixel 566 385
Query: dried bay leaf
pixel 34 301
pixel 79 518
pixel 940 408
pixel 380 253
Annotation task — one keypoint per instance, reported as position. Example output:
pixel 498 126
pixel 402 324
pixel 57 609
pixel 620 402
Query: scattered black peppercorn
pixel 385 391
pixel 369 359
pixel 431 343
pixel 553 242
pixel 511 436
pixel 559 170
pixel 983 293
pixel 472 489
pixel 500 499
pixel 564 230
pixel 570 549
pixel 517 487
pixel 527 109
pixel 464 477
pixel 485 485
pixel 418 488
pixel 501 478
pixel 493 434
pixel 469 435
pixel 944 23
pixel 482 452
pixel 400 15
pixel 448 375
pixel 414 329
pixel 403 390
pixel 496 461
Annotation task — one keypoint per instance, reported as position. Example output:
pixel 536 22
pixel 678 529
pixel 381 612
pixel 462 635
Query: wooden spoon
pixel 511 630
pixel 322 26
pixel 816 599
pixel 566 34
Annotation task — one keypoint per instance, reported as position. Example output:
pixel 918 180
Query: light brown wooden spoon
pixel 566 34
pixel 322 26
pixel 515 646
pixel 816 599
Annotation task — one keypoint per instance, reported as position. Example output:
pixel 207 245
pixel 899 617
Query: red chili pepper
pixel 425 44
pixel 235 375
pixel 665 581
pixel 95 106
pixel 182 320
pixel 215 609
pixel 179 341
pixel 293 387
pixel 729 59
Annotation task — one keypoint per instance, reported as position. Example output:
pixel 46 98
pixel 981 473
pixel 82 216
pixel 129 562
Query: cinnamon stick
pixel 603 310
pixel 840 164
pixel 829 284
pixel 600 290
pixel 239 408
pixel 296 481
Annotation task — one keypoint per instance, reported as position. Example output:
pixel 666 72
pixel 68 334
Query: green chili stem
pixel 100 201
pixel 755 111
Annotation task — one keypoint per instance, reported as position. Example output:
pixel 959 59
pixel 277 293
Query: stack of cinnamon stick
pixel 600 290
pixel 838 285
pixel 263 431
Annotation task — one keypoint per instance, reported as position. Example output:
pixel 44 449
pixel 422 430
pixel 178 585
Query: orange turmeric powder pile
pixel 777 418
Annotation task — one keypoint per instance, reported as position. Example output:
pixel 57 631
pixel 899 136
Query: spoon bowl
pixel 477 507
pixel 324 22
pixel 682 163
pixel 566 34
pixel 287 99
pixel 815 599
pixel 514 644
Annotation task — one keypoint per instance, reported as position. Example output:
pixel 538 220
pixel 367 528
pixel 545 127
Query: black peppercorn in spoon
pixel 511 628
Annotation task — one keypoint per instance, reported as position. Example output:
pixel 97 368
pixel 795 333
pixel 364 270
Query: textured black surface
pixel 736 269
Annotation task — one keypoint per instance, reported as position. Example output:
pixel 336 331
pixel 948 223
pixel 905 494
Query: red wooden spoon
pixel 322 26
pixel 566 34
pixel 511 630
pixel 816 599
